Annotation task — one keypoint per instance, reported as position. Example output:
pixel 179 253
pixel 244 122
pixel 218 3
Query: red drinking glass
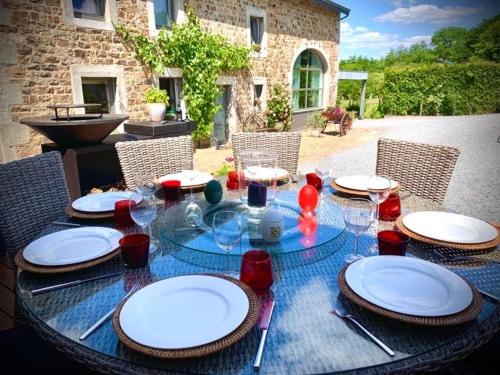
pixel 314 180
pixel 256 270
pixel 391 242
pixel 390 209
pixel 135 250
pixel 232 180
pixel 171 190
pixel 122 213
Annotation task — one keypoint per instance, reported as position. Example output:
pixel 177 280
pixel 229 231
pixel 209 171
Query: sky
pixel 374 27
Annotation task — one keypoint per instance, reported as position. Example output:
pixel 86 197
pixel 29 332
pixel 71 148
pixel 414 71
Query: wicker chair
pixel 33 193
pixel 155 156
pixel 286 145
pixel 423 169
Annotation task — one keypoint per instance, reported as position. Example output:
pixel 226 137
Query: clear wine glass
pixel 227 228
pixel 322 168
pixel 146 183
pixel 190 174
pixel 143 212
pixel 379 189
pixel 358 216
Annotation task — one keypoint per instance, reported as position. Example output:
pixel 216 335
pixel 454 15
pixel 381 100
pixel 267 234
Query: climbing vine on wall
pixel 201 55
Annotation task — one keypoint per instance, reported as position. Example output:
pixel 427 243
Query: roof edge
pixel 332 5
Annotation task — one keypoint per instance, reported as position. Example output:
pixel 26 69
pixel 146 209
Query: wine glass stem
pixel 228 257
pixel 150 231
pixel 356 243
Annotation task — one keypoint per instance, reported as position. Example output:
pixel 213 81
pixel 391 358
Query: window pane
pixel 168 84
pixel 296 79
pixel 313 98
pixel 295 100
pixel 314 80
pixel 95 93
pixel 315 61
pixel 164 13
pixel 256 29
pixel 258 90
pixel 302 99
pixel 303 79
pixel 93 8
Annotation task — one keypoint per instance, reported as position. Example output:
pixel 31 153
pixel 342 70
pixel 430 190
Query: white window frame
pixel 180 16
pixel 117 72
pixel 263 97
pixel 327 71
pixel 110 89
pixel 252 11
pixel 110 16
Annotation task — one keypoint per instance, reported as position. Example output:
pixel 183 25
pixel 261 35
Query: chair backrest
pixel 423 169
pixel 159 157
pixel 33 193
pixel 285 144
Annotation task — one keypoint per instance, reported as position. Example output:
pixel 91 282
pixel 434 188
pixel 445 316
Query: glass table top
pixel 302 230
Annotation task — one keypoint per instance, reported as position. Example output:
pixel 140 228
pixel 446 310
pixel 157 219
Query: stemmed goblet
pixel 143 212
pixel 379 189
pixel 145 183
pixel 190 174
pixel 227 228
pixel 358 216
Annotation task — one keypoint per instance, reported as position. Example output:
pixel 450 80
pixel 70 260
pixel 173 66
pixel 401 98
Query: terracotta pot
pixel 157 111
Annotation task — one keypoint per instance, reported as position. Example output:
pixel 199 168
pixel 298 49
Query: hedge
pixel 442 89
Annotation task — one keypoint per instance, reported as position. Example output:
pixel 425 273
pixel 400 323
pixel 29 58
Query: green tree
pixel 485 39
pixel 452 44
pixel 419 53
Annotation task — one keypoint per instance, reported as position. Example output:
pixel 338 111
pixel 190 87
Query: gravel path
pixel 475 185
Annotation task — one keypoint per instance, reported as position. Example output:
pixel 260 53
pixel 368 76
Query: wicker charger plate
pixel 477 246
pixel 89 215
pixel 198 351
pixel 30 267
pixel 357 192
pixel 464 316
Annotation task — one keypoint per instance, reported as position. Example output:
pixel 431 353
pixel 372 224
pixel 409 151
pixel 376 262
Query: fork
pixel 342 312
pixel 97 324
pixel 463 257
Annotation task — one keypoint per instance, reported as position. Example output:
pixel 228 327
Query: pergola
pixel 358 76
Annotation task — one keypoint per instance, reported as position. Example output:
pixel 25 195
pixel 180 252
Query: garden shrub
pixel 442 89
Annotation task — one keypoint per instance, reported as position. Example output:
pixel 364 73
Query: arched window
pixel 307 81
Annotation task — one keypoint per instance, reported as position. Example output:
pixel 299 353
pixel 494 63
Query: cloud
pixel 427 13
pixel 359 40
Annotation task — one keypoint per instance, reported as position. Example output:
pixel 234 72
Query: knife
pixel 35 292
pixel 264 326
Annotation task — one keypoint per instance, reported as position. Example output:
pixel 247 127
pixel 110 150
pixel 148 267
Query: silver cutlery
pixel 63 224
pixel 342 312
pixel 265 321
pixel 443 256
pixel 97 324
pixel 36 292
pixel 488 295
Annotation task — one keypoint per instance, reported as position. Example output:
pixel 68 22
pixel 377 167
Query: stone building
pixel 66 51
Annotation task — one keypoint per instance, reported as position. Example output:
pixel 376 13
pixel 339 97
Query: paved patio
pixel 475 184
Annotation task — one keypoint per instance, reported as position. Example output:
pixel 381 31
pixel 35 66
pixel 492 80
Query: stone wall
pixel 38 47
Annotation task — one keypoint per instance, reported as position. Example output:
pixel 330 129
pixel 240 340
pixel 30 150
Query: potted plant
pixel 156 100
pixel 315 122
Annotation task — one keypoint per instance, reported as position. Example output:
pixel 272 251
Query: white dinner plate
pixel 265 174
pixel 450 227
pixel 408 285
pixel 102 202
pixel 358 182
pixel 202 179
pixel 184 312
pixel 72 246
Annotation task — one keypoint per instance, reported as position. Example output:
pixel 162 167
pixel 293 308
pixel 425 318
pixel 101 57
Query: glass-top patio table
pixel 304 337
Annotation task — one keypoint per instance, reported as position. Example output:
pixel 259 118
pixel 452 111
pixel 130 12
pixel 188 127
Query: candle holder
pixel 257 180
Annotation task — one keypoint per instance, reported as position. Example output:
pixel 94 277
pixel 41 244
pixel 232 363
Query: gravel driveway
pixel 475 185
